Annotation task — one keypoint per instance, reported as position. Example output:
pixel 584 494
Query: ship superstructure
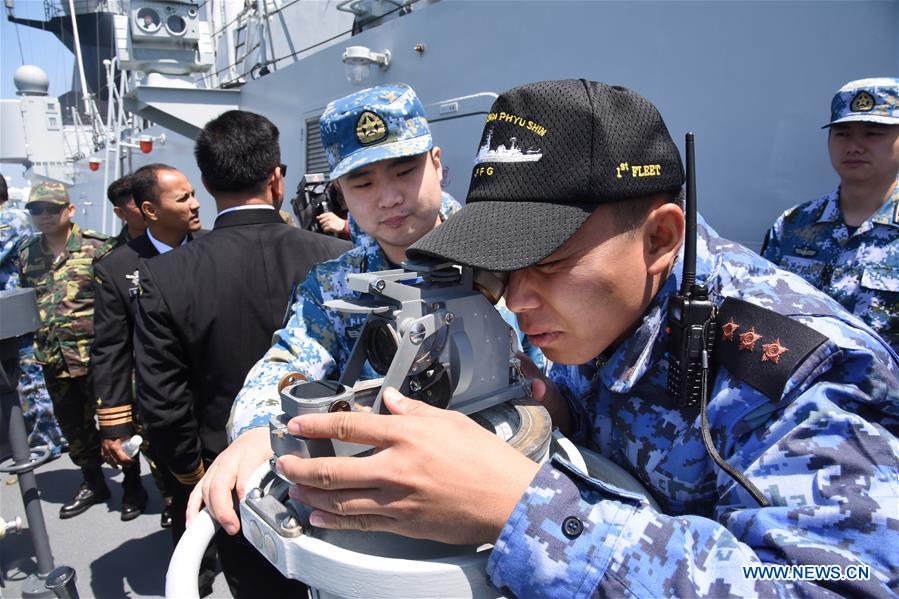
pixel 728 70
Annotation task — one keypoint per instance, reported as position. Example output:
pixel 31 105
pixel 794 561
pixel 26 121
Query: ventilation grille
pixel 316 161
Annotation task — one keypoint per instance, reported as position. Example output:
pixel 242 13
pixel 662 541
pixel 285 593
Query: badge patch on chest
pixel 805 252
pixel 134 279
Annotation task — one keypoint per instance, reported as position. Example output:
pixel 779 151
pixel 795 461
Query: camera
pixel 315 196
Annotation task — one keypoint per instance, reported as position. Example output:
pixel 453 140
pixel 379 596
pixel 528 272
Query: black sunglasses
pixel 283 170
pixel 53 209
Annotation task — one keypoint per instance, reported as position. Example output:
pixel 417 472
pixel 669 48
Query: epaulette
pixel 91 234
pixel 760 347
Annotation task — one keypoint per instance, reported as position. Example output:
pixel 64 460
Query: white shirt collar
pixel 246 207
pixel 160 246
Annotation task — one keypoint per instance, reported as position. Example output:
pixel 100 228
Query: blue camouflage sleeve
pixel 306 344
pixel 575 384
pixel 14 232
pixel 771 245
pixel 831 477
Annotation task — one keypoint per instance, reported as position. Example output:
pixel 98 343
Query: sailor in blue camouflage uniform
pixel 37 409
pixel 847 242
pixel 382 126
pixel 801 398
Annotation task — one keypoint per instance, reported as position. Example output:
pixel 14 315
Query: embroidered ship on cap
pixel 503 154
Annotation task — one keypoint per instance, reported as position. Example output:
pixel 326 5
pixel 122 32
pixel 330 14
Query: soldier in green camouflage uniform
pixel 59 265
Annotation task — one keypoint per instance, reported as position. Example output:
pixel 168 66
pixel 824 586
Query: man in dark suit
pixel 207 313
pixel 168 203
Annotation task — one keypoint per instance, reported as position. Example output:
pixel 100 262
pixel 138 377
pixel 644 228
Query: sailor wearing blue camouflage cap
pixel 847 242
pixel 384 162
pixel 790 460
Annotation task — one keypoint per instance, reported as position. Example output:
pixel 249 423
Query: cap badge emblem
pixel 728 329
pixel 862 102
pixel 749 339
pixel 771 351
pixel 370 128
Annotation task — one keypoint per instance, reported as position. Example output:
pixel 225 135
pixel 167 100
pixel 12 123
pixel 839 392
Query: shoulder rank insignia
pixel 749 339
pixel 728 329
pixel 792 343
pixel 772 351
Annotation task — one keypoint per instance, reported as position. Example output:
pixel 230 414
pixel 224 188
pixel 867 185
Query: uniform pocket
pixel 880 294
pixel 76 278
pixel 881 278
pixel 812 271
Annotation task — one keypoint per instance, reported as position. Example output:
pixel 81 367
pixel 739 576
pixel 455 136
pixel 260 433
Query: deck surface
pixel 113 559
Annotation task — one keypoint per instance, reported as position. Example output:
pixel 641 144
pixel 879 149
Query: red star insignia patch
pixel 771 351
pixel 749 339
pixel 729 328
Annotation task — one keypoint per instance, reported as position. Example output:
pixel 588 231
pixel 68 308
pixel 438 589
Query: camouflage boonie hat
pixel 372 125
pixel 46 191
pixel 870 100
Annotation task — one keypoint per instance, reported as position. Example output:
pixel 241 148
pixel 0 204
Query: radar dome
pixel 31 80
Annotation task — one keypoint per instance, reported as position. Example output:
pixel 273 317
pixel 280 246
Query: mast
pixel 85 95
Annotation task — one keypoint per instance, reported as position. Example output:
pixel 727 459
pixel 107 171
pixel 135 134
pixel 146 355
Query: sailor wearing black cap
pixel 788 460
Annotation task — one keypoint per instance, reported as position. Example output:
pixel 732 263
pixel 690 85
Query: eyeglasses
pixel 52 209
pixel 283 170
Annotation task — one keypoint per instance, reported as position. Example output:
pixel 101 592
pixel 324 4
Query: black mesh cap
pixel 550 153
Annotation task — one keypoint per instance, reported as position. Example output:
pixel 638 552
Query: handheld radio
pixel 691 316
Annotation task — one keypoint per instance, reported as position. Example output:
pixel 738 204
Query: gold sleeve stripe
pixel 115 410
pixel 191 478
pixel 115 414
pixel 115 421
pixel 108 419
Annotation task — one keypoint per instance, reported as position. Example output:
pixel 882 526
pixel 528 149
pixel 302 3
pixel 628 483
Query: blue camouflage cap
pixel 872 100
pixel 372 125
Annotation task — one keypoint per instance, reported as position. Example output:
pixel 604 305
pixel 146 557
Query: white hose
pixel 184 567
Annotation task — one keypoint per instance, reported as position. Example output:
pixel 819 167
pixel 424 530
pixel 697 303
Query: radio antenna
pixel 689 274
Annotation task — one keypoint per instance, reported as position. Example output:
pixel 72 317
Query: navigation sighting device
pixel 432 332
